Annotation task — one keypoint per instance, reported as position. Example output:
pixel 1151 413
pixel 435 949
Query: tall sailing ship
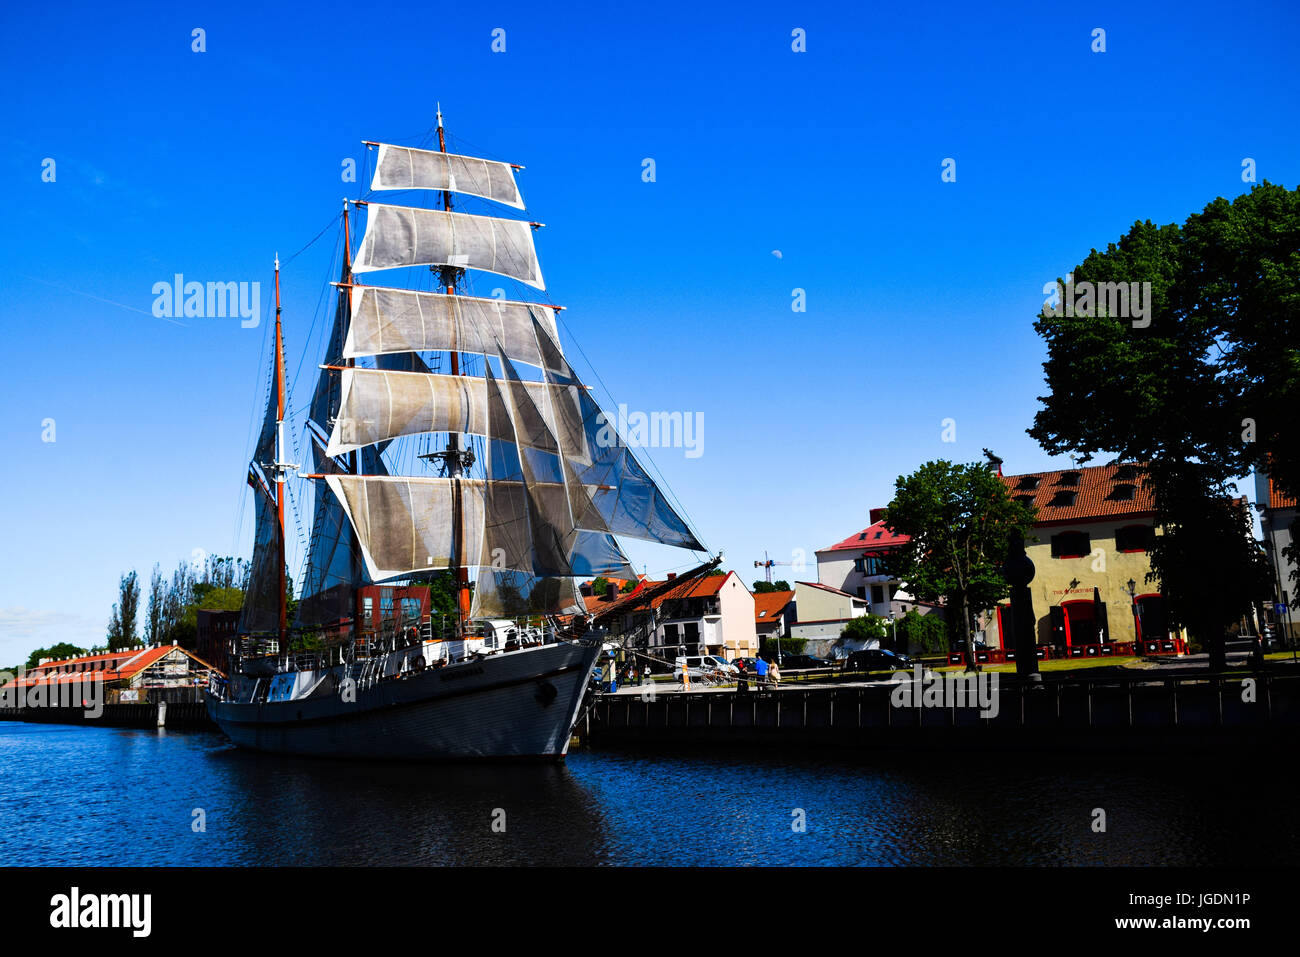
pixel 525 487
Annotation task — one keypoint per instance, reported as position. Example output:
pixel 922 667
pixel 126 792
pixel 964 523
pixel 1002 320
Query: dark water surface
pixel 93 796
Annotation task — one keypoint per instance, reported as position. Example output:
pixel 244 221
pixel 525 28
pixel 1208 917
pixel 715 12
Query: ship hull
pixel 518 705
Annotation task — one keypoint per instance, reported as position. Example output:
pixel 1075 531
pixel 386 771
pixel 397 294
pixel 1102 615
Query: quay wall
pixel 1111 715
pixel 186 716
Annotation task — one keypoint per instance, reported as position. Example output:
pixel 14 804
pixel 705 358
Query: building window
pixel 1063 498
pixel 877 594
pixel 1028 484
pixel 875 566
pixel 862 591
pixel 1071 545
pixel 1069 478
pixel 1134 538
pixel 859 564
pixel 1026 500
pixel 1124 493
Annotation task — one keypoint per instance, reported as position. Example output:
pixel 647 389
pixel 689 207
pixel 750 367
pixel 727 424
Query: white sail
pixel 627 498
pixel 400 167
pixel 403 236
pixel 407 525
pixel 378 406
pixel 403 320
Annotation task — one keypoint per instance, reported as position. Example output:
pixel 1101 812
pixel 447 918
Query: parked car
pixel 801 662
pixel 699 666
pixel 744 666
pixel 877 659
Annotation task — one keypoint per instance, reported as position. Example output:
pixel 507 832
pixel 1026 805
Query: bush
pixel 866 628
pixel 789 646
pixel 922 634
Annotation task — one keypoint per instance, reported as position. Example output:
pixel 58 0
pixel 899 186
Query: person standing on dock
pixel 775 674
pixel 760 669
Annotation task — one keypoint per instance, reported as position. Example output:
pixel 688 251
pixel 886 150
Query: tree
pixel 927 634
pixel 599 586
pixel 153 620
pixel 62 650
pixel 763 587
pixel 1201 390
pixel 958 518
pixel 865 628
pixel 122 624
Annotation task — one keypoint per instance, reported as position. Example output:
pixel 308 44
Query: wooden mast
pixel 458 568
pixel 354 459
pixel 278 476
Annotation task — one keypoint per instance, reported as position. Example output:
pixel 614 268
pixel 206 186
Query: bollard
pixel 162 714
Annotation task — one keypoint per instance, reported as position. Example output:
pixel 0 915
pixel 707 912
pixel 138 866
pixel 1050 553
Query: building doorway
pixel 1152 623
pixel 1080 622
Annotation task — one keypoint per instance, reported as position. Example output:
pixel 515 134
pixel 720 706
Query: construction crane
pixel 766 564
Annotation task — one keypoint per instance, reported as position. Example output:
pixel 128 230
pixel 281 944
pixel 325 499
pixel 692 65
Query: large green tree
pixel 958 518
pixel 1200 388
pixel 122 624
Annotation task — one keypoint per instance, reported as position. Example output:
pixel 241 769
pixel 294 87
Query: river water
pixel 71 795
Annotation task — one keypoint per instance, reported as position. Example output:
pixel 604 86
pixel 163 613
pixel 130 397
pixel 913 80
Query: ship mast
pixel 280 470
pixel 453 457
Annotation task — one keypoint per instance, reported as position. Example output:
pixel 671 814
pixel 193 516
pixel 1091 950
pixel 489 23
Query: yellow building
pixel 1089 548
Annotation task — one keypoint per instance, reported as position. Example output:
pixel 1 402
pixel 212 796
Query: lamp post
pixel 1132 597
pixel 893 631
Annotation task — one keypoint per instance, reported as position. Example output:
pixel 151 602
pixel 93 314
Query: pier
pixel 1115 713
pixel 177 716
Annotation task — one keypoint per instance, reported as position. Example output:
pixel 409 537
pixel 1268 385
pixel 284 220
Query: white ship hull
pixel 511 706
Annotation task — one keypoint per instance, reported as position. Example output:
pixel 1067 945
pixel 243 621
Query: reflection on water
pixel 91 796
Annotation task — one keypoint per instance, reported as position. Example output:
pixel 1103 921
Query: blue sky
pixel 920 293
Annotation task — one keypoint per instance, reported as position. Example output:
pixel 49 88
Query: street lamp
pixel 1132 597
pixel 893 628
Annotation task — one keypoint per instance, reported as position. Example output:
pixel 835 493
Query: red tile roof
pixel 702 587
pixel 875 537
pixel 1098 493
pixel 119 666
pixel 769 604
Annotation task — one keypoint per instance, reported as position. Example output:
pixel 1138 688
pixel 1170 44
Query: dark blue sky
pixel 920 293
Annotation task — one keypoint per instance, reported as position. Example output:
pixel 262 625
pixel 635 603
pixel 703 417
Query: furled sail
pixel 403 236
pixel 260 613
pixel 400 167
pixel 400 320
pixel 334 566
pixel 378 406
pixel 325 398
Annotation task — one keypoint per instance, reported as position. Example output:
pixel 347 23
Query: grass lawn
pixel 1056 664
